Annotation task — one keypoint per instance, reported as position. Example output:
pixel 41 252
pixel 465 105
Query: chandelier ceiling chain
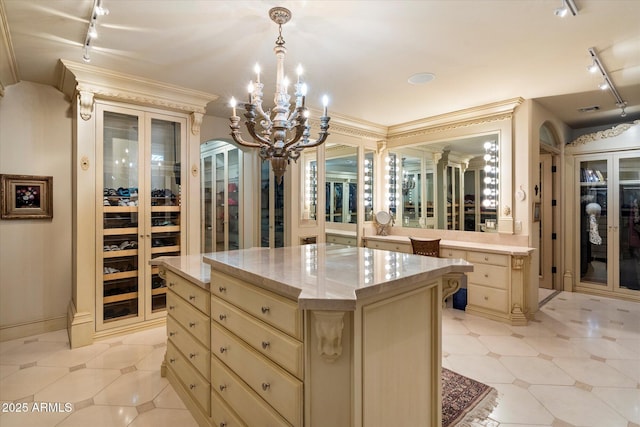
pixel 283 132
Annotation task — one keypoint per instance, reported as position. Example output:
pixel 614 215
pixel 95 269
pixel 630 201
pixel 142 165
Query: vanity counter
pixel 457 244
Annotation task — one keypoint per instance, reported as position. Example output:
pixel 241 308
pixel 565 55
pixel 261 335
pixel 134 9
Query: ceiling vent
pixel 590 109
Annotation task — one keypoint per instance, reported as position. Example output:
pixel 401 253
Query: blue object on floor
pixel 460 299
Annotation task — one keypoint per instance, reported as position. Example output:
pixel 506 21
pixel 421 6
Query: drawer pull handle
pixel 486 274
pixel 223 350
pixel 172 307
pixel 192 297
pixel 222 424
pixel 192 355
pixel 192 386
pixel 486 258
pixel 172 360
pixel 222 289
pixel 486 298
pixel 265 344
pixel 222 316
pixel 222 387
pixel 265 310
pixel 171 284
pixel 192 324
pixel 265 386
pixel 172 334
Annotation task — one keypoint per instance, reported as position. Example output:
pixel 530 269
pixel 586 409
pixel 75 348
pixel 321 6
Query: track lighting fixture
pixel 566 7
pixel 597 66
pixel 92 32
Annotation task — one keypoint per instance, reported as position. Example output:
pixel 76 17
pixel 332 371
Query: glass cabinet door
pixel 207 203
pixel 121 290
pixel 221 201
pixel 233 200
pixel 609 226
pixel 594 195
pixel 164 189
pixel 628 191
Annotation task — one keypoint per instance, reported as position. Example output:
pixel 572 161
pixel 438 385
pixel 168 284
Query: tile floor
pixel 577 364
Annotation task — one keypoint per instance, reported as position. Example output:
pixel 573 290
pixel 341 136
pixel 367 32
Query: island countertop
pixel 328 276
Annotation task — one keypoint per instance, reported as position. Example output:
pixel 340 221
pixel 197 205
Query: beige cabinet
pixel 499 286
pixel 139 212
pixel 187 360
pixel 135 193
pixel 256 351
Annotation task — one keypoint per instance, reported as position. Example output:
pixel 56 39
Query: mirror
pixel 309 179
pixel 449 185
pixel 341 184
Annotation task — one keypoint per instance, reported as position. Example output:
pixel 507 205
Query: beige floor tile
pixel 161 417
pixel 101 416
pixel 153 360
pixel 577 406
pixel 168 398
pixel 625 401
pixel 509 346
pixel 517 405
pixel 594 372
pixel 534 370
pixel 463 344
pixel 32 418
pixel 556 347
pixel 6 370
pixel 150 337
pixel 120 356
pixel 78 385
pixel 630 368
pixel 73 357
pixel 29 381
pixel 132 389
pixel 605 349
pixel 480 368
pixel 31 351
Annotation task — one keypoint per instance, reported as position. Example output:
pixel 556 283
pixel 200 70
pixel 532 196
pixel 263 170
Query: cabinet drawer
pixel 189 318
pixel 192 349
pixel 280 389
pixel 221 414
pixel 255 411
pixel 389 246
pixel 189 292
pixel 279 347
pixel 485 258
pixel 267 306
pixel 341 240
pixel 197 387
pixel 452 253
pixel 489 298
pixel 489 275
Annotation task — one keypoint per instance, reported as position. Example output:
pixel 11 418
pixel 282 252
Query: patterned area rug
pixel 465 402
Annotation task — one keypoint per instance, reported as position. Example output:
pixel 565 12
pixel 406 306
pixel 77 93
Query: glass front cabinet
pixel 221 165
pixel 140 211
pixel 608 230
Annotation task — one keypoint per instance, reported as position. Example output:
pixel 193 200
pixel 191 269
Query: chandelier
pixel 283 132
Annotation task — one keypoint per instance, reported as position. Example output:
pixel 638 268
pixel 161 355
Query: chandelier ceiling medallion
pixel 283 132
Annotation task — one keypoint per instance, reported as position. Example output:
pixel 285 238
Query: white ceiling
pixel 361 53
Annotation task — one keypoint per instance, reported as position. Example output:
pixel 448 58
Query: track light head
pixel 561 12
pixel 604 85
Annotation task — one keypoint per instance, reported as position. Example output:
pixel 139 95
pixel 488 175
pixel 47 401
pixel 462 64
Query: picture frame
pixel 26 197
pixel 536 212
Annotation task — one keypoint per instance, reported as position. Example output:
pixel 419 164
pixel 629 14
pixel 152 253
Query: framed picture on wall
pixel 26 197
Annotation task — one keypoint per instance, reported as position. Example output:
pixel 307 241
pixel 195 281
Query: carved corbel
pixel 196 122
pixel 517 262
pixel 450 285
pixel 328 327
pixel 86 104
pixel 381 146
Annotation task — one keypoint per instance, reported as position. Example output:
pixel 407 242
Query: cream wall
pixel 35 255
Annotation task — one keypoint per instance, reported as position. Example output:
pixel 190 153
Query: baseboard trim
pixel 26 329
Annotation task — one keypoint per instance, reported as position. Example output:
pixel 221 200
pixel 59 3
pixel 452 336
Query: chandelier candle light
pixel 284 131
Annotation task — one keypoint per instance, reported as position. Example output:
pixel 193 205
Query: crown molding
pixel 497 111
pixel 77 78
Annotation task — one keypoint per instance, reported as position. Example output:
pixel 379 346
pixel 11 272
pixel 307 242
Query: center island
pixel 314 335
